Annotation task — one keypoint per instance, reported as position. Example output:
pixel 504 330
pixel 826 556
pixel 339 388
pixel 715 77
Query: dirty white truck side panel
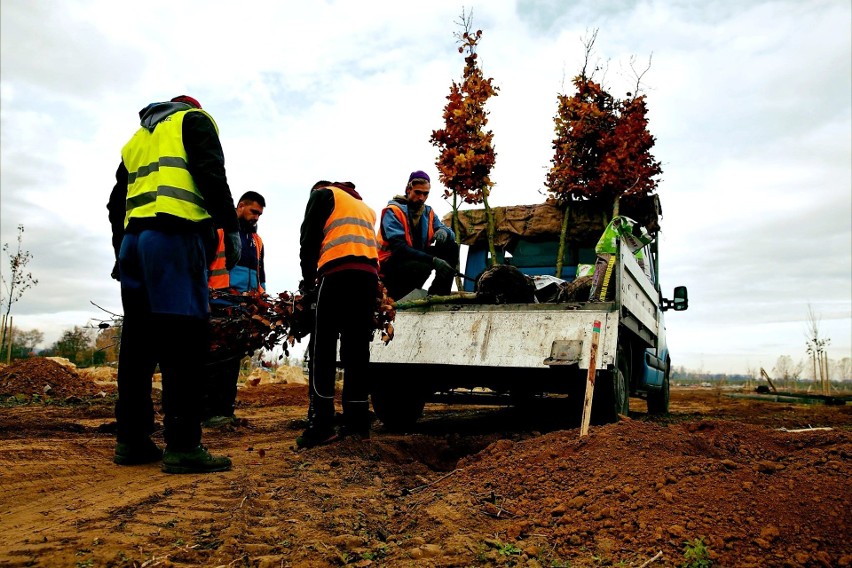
pixel 495 336
pixel 636 293
pixel 524 335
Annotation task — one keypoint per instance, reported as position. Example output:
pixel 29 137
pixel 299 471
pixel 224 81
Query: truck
pixel 466 351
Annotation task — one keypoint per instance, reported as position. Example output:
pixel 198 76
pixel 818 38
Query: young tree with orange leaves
pixel 466 151
pixel 602 149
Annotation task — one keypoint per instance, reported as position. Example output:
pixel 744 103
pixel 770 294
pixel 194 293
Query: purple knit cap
pixel 419 175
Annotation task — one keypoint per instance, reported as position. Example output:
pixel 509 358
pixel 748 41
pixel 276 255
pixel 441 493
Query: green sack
pixel 632 234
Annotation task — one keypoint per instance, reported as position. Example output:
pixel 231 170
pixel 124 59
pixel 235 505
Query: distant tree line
pixel 89 346
pixel 83 346
pixel 786 372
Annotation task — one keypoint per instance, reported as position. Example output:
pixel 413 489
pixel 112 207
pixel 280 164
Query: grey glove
pixel 443 268
pixel 233 249
pixel 441 236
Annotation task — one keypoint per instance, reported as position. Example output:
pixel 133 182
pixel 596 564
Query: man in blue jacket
pixel 248 275
pixel 413 242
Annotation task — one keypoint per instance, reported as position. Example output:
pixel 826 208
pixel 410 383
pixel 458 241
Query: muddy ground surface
pixel 468 486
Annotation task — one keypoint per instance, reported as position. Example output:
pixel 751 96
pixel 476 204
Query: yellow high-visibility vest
pixel 158 180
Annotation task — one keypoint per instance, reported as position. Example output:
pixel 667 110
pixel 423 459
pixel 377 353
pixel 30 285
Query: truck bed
pixel 509 335
pixel 524 335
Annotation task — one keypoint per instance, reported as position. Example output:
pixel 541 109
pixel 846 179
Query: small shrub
pixel 508 549
pixel 696 554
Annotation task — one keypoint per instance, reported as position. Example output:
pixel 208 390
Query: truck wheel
pixel 612 391
pixel 658 400
pixel 398 406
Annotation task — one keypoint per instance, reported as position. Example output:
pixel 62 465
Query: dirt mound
pixel 631 489
pixel 45 378
pixel 291 375
pixel 102 374
pixel 272 394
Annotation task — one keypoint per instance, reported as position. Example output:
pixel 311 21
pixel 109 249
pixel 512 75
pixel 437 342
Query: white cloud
pixel 749 103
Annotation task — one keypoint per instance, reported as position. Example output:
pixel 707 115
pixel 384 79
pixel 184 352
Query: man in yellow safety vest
pixel 170 195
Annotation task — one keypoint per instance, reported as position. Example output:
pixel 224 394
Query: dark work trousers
pixel 162 272
pixel 311 411
pixel 134 410
pixel 346 301
pixel 177 343
pixel 219 392
pixel 402 276
pixel 220 387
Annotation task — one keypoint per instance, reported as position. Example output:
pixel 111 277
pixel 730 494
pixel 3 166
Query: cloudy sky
pixel 750 103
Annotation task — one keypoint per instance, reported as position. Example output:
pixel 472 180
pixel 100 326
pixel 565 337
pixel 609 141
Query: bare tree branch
pixel 588 47
pixel 465 22
pixel 637 89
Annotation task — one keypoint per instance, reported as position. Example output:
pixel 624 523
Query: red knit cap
pixel 188 100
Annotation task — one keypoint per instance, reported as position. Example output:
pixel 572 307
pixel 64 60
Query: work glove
pixel 441 236
pixel 115 274
pixel 443 268
pixel 309 294
pixel 305 313
pixel 233 249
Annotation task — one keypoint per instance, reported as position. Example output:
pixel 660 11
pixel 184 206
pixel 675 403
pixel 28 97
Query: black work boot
pixel 317 436
pixel 137 452
pixel 356 420
pixel 196 460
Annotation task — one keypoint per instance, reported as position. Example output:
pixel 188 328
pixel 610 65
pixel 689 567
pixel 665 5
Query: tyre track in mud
pixel 275 503
pixel 77 490
pixel 396 499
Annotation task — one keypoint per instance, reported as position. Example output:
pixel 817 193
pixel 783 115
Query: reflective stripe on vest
pixel 349 230
pixel 384 247
pixel 158 180
pixel 219 277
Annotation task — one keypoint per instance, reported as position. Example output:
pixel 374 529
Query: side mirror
pixel 681 299
pixel 680 302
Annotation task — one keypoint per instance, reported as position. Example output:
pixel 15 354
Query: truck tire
pixel 612 391
pixel 658 400
pixel 396 402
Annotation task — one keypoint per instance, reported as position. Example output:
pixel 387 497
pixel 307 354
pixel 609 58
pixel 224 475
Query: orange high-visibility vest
pixel 384 247
pixel 220 278
pixel 349 230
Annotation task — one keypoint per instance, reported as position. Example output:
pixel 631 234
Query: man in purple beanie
pixel 413 242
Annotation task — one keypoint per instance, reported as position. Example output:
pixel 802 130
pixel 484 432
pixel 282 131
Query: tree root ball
pixel 505 284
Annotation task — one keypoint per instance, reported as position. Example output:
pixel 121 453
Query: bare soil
pixel 468 486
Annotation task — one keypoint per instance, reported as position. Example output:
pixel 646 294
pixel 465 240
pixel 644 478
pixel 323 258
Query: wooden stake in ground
pixel 590 379
pixel 764 374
